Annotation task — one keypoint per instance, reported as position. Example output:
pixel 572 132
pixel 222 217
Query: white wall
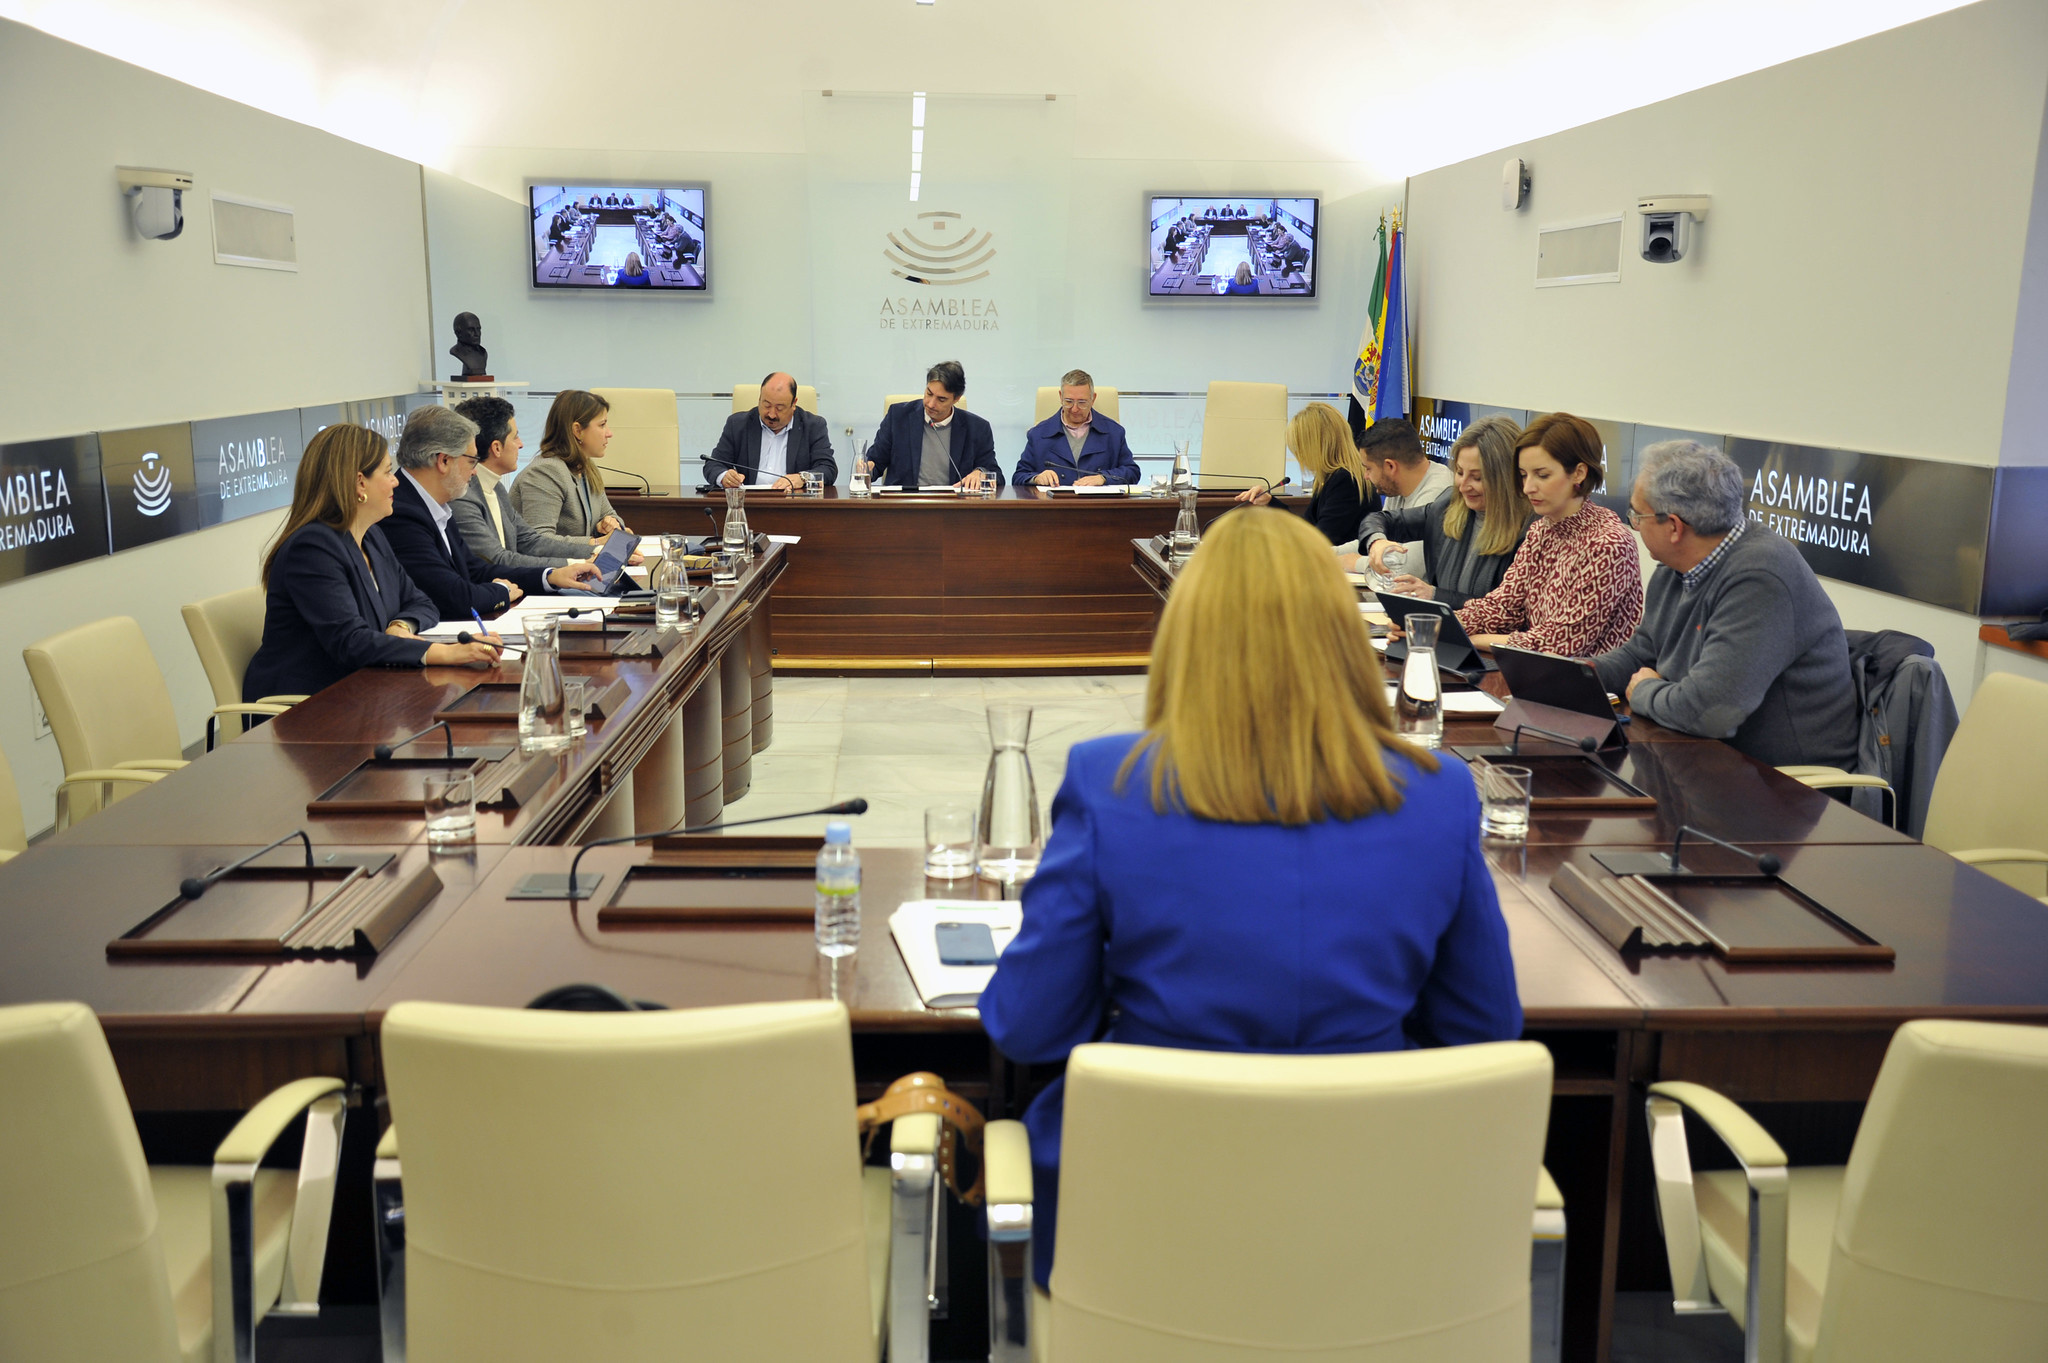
pixel 1856 283
pixel 106 331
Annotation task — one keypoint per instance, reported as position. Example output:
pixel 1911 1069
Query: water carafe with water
pixel 543 719
pixel 1419 707
pixel 737 538
pixel 1187 532
pixel 1010 829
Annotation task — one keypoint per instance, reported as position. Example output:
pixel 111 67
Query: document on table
pixel 1102 490
pixel 914 925
pixel 785 539
pixel 1470 703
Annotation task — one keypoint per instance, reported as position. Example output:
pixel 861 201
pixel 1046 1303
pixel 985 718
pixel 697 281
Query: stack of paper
pixel 914 925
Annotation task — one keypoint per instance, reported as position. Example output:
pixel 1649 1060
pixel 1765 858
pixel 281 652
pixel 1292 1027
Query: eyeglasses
pixel 1636 518
pixel 472 458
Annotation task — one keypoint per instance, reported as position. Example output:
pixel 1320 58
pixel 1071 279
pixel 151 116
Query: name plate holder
pixel 1747 917
pixel 346 905
pixel 392 785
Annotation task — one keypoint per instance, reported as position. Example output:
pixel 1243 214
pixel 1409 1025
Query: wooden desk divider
pixel 715 879
pixel 514 779
pixel 346 906
pixel 1745 918
pixel 484 703
pixel 1563 780
pixel 393 785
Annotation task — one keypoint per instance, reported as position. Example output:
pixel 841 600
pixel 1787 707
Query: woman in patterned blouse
pixel 1576 586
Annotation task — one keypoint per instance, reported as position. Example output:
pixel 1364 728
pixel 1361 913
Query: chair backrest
pixel 227 630
pixel 1342 1205
pixel 748 395
pixel 81 1267
pixel 1993 787
pixel 104 694
pixel 13 829
pixel 645 439
pixel 1941 1241
pixel 1244 431
pixel 1049 402
pixel 894 398
pixel 686 1184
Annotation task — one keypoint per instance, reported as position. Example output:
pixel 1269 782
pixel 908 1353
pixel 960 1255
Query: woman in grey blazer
pixel 561 493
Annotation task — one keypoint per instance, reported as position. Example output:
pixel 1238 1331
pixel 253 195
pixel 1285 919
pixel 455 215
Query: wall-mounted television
pixel 622 237
pixel 1231 246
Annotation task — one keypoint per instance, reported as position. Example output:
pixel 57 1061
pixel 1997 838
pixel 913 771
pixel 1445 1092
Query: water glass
pixel 450 808
pixel 1160 485
pixel 576 693
pixel 1503 800
pixel 948 842
pixel 725 569
pixel 1396 560
pixel 668 605
pixel 814 483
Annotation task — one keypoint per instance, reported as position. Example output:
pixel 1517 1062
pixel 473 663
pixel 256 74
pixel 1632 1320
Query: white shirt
pixel 941 425
pixel 441 514
pixel 774 452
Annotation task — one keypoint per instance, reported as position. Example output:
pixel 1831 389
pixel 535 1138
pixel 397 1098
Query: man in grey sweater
pixel 1738 641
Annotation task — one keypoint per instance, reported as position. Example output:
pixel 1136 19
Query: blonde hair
pixel 1321 441
pixel 1266 703
pixel 1507 510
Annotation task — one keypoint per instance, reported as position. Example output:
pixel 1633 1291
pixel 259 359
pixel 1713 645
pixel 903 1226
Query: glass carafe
pixel 1011 831
pixel 1187 532
pixel 543 719
pixel 736 537
pixel 1183 476
pixel 1419 707
pixel 857 481
pixel 670 583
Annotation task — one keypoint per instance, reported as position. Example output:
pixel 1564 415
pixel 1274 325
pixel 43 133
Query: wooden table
pixel 1027 579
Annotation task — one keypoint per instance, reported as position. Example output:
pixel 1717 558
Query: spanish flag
pixel 1379 377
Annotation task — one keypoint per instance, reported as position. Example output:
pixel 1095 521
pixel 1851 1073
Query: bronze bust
pixel 469 349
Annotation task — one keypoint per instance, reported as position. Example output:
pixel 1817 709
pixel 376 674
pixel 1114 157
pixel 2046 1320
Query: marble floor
pixel 906 743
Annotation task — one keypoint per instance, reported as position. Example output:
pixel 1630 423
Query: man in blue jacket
pixel 935 442
pixel 1077 445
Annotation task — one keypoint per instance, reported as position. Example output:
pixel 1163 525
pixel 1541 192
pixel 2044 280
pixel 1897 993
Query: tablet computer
pixel 1454 650
pixel 612 558
pixel 1565 683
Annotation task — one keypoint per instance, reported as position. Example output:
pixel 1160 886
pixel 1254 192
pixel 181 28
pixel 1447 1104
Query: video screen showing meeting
pixel 1235 246
pixel 618 237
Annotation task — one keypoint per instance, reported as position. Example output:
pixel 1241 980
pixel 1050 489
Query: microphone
pixel 645 486
pixel 853 806
pixel 382 752
pixel 194 886
pixel 599 611
pixel 1765 862
pixel 717 526
pixel 1582 744
pixel 1269 485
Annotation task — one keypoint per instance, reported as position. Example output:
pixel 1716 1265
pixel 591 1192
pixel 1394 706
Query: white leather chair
pixel 645 440
pixel 109 709
pixel 13 828
pixel 105 1257
pixel 1049 402
pixel 747 396
pixel 1220 1207
pixel 227 630
pixel 1244 434
pixel 1932 1243
pixel 642 1186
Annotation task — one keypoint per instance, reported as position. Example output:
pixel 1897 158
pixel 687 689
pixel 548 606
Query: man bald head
pixel 778 400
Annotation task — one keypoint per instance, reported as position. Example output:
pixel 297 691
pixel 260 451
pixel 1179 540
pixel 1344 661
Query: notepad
pixel 914 925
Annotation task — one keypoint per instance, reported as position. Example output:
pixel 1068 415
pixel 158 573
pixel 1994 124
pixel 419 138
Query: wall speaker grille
pixel 255 234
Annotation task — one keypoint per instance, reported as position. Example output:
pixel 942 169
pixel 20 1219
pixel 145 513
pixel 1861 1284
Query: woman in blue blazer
pixel 1267 867
pixel 338 599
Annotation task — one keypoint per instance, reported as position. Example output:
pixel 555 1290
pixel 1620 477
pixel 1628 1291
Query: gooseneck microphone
pixel 853 806
pixel 382 752
pixel 1765 862
pixel 194 886
pixel 1267 483
pixel 645 486
pixel 1582 744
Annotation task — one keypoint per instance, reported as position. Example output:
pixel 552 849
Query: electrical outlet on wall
pixel 42 720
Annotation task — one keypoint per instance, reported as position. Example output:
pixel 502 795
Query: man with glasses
pixel 436 459
pixel 1077 445
pixel 774 444
pixel 1737 640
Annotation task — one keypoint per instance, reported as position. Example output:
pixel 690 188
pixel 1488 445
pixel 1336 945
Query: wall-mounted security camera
pixel 156 200
pixel 1668 222
pixel 1514 183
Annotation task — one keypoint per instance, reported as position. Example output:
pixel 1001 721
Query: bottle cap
pixel 839 831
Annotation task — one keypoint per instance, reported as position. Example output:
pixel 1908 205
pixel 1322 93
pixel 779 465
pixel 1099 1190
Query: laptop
pixel 1454 650
pixel 1563 683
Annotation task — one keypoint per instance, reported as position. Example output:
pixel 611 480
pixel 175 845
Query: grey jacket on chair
pixel 1908 719
pixel 529 548
pixel 555 501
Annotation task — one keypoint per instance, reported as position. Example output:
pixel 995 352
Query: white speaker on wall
pixel 1514 183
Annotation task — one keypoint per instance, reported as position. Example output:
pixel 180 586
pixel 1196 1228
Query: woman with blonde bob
pixel 1470 534
pixel 1320 442
pixel 1267 867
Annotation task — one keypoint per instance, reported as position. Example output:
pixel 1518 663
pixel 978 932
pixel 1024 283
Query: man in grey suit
pixel 484 514
pixel 774 444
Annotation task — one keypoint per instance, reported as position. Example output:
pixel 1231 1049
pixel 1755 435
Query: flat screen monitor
pixel 626 238
pixel 1232 246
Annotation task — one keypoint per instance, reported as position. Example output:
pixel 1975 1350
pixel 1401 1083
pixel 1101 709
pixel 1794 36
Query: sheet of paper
pixel 1468 703
pixel 785 539
pixel 936 487
pixel 1103 490
pixel 914 926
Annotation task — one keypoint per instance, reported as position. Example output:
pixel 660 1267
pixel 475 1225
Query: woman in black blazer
pixel 338 599
pixel 1320 440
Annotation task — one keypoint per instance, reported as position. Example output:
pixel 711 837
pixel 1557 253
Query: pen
pixel 481 627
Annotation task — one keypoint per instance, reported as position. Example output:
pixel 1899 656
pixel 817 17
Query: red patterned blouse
pixel 1574 589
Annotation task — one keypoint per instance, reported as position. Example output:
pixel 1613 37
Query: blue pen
pixel 480 627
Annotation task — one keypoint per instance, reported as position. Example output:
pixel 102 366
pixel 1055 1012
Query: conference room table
pixel 210 1035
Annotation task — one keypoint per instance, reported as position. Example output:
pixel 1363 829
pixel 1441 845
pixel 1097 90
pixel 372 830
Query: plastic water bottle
pixel 838 922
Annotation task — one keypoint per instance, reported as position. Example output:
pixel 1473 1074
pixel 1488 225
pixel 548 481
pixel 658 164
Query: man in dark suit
pixel 776 443
pixel 1077 445
pixel 936 441
pixel 436 459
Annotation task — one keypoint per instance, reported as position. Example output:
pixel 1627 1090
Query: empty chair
pixel 108 1258
pixel 110 711
pixel 1990 800
pixel 638 1186
pixel 1049 402
pixel 1244 434
pixel 227 630
pixel 645 441
pixel 746 396
pixel 1931 1243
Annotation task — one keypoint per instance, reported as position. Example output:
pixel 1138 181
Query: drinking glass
pixel 725 569
pixel 1396 560
pixel 575 703
pixel 948 842
pixel 668 605
pixel 450 808
pixel 1503 800
pixel 1159 485
pixel 814 483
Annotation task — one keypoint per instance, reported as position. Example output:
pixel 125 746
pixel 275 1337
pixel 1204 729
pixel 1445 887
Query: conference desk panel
pixel 1027 578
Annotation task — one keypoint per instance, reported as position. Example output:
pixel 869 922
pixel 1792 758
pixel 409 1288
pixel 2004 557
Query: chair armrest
pixel 1006 1162
pixel 917 1134
pixel 1006 1177
pixel 250 708
pixel 1991 856
pixel 235 1160
pixel 1800 773
pixel 100 774
pixel 1546 1271
pixel 387 1210
pixel 1548 1197
pixel 1830 778
pixel 1739 1131
pixel 387 1145
pixel 153 764
pixel 280 700
pixel 914 1224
